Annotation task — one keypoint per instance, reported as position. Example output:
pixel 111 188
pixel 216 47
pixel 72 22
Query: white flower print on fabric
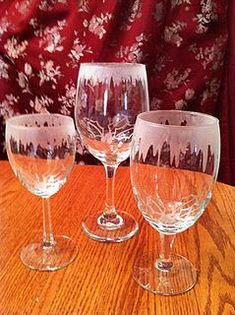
pixel 65 33
pixel 33 22
pixel 208 14
pixel 40 104
pixel 77 52
pixel 175 78
pixel 172 33
pixel 211 91
pixel 23 78
pixel 133 53
pixel 51 38
pixel 68 100
pixel 161 62
pixel 23 82
pixel 47 5
pixel 213 56
pixel 189 94
pixel 131 15
pixel 159 11
pixel 28 69
pixel 49 72
pixel 96 24
pixel 3 69
pixel 84 6
pixel 6 106
pixel 23 6
pixel 15 49
pixel 156 103
pixel 174 3
pixel 180 104
pixel 4 25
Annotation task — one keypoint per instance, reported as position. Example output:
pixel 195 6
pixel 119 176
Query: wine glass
pixel 174 164
pixel 41 151
pixel 109 98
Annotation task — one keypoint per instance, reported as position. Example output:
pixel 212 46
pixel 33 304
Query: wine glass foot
pixel 110 222
pixel 38 257
pixel 181 278
pixel 95 227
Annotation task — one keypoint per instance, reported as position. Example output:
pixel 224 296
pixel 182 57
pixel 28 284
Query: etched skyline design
pixel 188 160
pixel 116 72
pixel 52 151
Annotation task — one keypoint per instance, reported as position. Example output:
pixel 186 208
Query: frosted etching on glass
pixel 41 151
pixel 109 98
pixel 174 164
pixel 104 73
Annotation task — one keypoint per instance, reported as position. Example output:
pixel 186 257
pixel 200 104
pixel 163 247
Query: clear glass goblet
pixel 41 151
pixel 109 98
pixel 174 164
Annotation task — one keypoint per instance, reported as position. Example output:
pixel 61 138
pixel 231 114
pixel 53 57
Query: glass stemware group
pixel 174 165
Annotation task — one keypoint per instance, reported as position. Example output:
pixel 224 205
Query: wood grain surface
pixel 99 281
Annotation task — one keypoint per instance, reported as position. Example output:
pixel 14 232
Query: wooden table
pixel 100 280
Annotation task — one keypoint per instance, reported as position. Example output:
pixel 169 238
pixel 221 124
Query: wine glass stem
pixel 110 172
pixel 48 238
pixel 164 262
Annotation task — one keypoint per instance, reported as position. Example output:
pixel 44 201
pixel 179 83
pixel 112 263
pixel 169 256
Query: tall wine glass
pixel 41 151
pixel 109 98
pixel 174 164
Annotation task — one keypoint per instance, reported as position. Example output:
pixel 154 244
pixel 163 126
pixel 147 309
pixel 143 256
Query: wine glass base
pixel 98 232
pixel 181 278
pixel 38 257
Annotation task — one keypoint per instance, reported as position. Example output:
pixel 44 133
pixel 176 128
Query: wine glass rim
pixel 144 117
pixel 11 121
pixel 112 64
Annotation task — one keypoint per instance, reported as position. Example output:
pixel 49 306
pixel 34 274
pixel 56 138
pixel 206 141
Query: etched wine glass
pixel 109 98
pixel 41 151
pixel 174 164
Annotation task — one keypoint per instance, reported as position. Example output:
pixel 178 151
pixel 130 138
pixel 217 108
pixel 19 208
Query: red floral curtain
pixel 226 108
pixel 43 42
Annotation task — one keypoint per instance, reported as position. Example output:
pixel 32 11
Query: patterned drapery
pixel 43 42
